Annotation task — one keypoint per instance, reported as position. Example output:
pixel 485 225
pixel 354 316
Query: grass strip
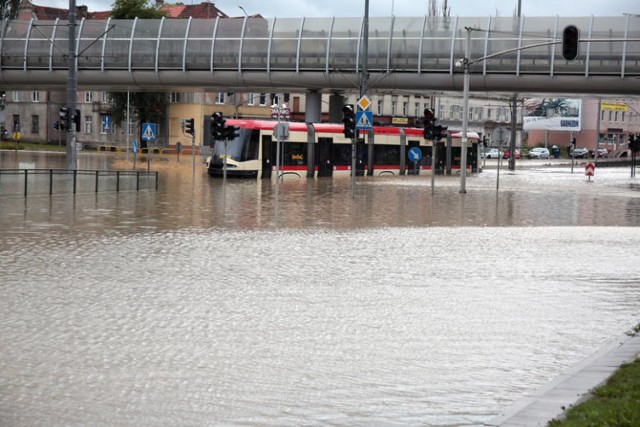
pixel 616 403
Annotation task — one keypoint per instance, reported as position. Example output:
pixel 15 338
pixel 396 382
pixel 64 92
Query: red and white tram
pixel 321 150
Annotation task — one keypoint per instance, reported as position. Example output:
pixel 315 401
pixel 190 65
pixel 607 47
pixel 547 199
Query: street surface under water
pixel 225 303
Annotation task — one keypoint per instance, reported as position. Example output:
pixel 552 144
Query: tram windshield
pixel 240 149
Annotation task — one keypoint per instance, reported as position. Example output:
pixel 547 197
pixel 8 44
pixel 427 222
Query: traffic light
pixel 56 125
pixel 570 39
pixel 217 126
pixel 231 132
pixel 440 132
pixel 189 127
pixel 429 123
pixel 76 120
pixel 573 143
pixel 64 117
pixel 349 120
pixel 634 142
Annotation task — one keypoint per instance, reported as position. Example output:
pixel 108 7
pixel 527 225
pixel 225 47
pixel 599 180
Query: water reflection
pixel 203 303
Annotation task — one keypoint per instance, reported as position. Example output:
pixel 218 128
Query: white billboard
pixel 552 114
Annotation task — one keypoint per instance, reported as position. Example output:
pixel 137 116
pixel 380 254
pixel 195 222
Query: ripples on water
pixel 203 304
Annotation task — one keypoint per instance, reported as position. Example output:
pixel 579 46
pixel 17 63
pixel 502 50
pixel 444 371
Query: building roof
pixel 204 10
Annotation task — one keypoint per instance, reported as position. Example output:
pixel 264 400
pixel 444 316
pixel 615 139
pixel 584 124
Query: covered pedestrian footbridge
pixel 417 54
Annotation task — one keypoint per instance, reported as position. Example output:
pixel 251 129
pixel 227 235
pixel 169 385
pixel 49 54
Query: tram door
pixel 268 156
pixel 323 157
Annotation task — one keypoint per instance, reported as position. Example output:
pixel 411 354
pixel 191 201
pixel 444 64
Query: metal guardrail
pixel 97 174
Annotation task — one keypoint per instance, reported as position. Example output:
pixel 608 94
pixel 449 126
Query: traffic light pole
pixel 193 150
pixel 465 114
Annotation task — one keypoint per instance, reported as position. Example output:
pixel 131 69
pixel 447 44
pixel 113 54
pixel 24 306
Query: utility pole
pixel 72 89
pixel 514 109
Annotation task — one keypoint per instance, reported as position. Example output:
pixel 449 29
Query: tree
pixel 130 9
pixel 433 8
pixel 148 107
pixel 10 8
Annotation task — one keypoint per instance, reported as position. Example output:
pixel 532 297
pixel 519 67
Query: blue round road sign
pixel 415 154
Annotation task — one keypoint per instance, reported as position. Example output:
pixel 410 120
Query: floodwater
pixel 211 303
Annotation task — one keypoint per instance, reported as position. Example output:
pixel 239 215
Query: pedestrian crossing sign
pixel 364 119
pixel 148 132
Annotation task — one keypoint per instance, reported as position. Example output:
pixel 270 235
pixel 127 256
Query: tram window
pixel 341 154
pixel 294 153
pixel 386 154
pixel 251 144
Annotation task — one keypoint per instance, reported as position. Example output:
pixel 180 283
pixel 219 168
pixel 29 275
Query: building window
pixel 263 99
pixel 175 97
pixel 35 125
pixel 380 107
pixel 88 97
pixel 251 99
pixel 416 109
pixel 16 96
pixel 35 96
pixel 615 117
pixel 441 110
pixel 104 96
pixel 88 124
pixel 623 116
pixel 16 122
pixel 220 98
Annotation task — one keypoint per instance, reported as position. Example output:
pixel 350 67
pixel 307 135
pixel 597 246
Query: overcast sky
pixel 346 8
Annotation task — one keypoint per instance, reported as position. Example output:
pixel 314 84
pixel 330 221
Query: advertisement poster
pixel 552 114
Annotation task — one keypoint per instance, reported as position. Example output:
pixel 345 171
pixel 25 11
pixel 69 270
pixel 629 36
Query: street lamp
pixel 245 12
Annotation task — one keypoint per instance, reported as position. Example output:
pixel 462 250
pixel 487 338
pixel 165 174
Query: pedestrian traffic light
pixel 429 123
pixel 76 120
pixel 217 126
pixel 232 132
pixel 189 127
pixel 64 117
pixel 570 40
pixel 349 120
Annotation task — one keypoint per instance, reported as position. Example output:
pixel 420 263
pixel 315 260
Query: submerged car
pixel 507 154
pixel 491 153
pixel 538 153
pixel 581 153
